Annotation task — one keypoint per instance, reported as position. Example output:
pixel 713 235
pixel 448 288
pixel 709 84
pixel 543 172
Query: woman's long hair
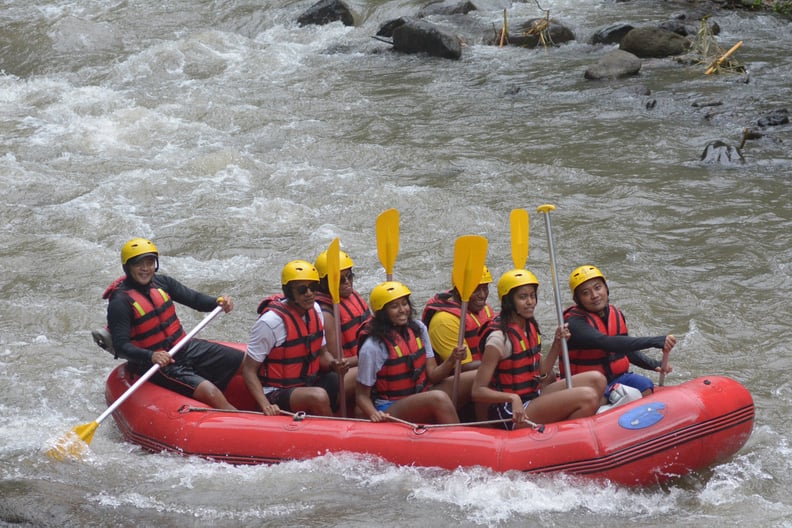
pixel 380 325
pixel 508 311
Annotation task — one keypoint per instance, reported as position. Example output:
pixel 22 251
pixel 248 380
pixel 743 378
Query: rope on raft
pixel 300 416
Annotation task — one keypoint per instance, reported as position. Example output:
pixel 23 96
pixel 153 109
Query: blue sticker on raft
pixel 642 416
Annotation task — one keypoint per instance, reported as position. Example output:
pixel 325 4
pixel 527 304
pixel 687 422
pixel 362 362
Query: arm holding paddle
pixel 665 368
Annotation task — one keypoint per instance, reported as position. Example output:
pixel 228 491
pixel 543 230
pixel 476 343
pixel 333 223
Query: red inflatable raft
pixel 675 431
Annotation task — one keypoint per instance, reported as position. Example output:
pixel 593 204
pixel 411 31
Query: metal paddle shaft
pixel 546 208
pixel 334 285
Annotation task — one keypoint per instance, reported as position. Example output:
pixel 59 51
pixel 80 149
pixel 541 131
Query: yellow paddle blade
pixel 470 253
pixel 518 219
pixel 333 271
pixel 74 444
pixel 388 239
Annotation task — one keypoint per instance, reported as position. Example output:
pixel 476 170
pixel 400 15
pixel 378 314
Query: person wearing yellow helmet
pixel 600 341
pixel 397 371
pixel 287 366
pixel 353 312
pixel 143 325
pixel 442 313
pixel 514 378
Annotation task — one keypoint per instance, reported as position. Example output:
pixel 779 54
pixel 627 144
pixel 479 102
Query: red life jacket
pixel 296 361
pixel 155 325
pixel 353 312
pixel 582 360
pixel 445 302
pixel 404 372
pixel 519 373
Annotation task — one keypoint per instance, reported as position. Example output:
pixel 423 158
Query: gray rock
pixel 647 42
pixel 615 64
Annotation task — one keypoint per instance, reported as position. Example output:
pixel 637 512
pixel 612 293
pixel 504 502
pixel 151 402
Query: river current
pixel 238 141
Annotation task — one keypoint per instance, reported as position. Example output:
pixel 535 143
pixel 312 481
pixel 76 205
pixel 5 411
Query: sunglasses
pixel 348 277
pixel 303 289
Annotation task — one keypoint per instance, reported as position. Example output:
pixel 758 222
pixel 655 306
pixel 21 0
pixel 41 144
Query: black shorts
pixel 200 361
pixel 327 380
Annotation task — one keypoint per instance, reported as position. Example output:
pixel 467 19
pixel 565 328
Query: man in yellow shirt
pixel 442 313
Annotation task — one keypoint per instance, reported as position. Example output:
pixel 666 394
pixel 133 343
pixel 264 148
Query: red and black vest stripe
pixel 519 373
pixel 353 312
pixel 404 372
pixel 296 361
pixel 609 363
pixel 155 325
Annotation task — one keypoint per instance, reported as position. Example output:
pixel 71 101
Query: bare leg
pixel 312 400
pixel 567 404
pixel 432 406
pixel 350 383
pixel 208 393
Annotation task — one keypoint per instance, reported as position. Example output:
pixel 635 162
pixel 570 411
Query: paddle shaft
pixel 150 372
pixel 556 291
pixel 458 364
pixel 339 357
pixel 334 285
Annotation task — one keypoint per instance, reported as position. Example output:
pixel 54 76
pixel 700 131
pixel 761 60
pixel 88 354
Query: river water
pixel 238 141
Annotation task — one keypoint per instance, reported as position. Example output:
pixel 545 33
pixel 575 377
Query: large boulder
pixel 420 36
pixel 327 11
pixel 648 42
pixel 611 34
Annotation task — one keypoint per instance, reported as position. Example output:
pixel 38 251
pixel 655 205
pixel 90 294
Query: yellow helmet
pixel 582 274
pixel 514 278
pixel 386 292
pixel 486 276
pixel 321 263
pixel 298 270
pixel 136 248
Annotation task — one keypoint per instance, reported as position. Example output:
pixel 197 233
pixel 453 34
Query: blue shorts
pixel 383 405
pixel 631 379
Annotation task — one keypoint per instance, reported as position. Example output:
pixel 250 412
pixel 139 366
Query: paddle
pixel 334 284
pixel 74 443
pixel 518 219
pixel 545 209
pixel 388 240
pixel 470 253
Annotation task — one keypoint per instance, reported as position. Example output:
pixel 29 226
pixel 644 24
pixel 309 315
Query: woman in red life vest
pixel 142 321
pixel 514 378
pixel 397 371
pixel 353 312
pixel 288 366
pixel 599 335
